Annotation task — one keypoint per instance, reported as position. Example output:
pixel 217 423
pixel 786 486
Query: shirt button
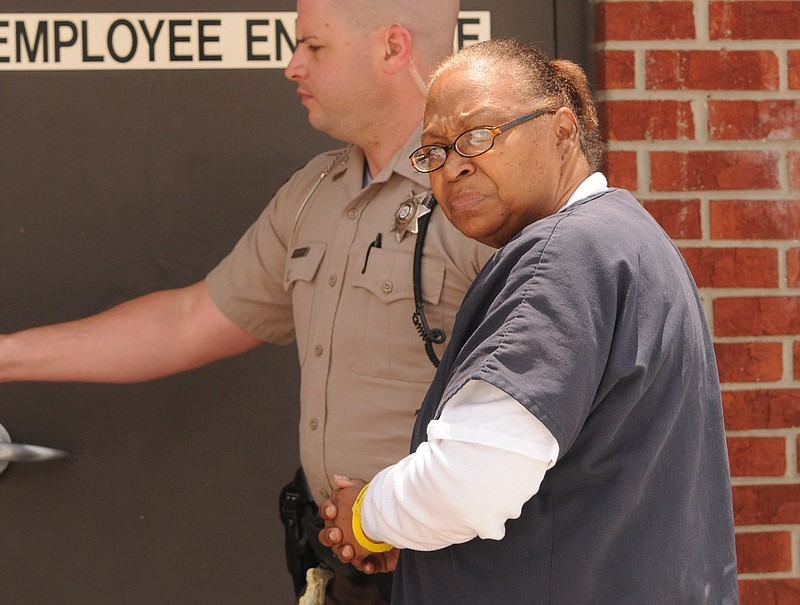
pixel 332 280
pixel 387 286
pixel 352 213
pixel 318 350
pixel 313 424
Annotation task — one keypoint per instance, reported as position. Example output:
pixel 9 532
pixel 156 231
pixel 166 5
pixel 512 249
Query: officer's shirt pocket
pixel 384 341
pixel 302 266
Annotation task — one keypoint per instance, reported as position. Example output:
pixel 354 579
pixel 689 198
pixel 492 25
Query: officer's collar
pixel 399 163
pixel 402 165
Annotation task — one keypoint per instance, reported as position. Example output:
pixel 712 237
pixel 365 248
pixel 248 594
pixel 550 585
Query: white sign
pixel 106 41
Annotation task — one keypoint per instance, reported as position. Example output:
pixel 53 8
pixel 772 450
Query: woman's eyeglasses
pixel 469 144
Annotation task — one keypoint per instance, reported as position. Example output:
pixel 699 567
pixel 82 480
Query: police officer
pixel 329 262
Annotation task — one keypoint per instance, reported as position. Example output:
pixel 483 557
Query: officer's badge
pixel 406 218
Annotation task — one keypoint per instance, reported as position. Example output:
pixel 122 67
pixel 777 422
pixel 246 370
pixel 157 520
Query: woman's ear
pixel 566 126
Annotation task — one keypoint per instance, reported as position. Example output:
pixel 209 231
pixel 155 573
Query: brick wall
pixel 701 105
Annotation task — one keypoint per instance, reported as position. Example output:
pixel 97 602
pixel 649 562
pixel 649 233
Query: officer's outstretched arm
pixel 148 337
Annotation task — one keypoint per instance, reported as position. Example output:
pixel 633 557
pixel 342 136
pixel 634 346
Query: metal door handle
pixel 19 452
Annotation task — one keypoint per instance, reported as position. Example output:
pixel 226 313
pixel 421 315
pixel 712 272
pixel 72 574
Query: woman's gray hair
pixel 545 82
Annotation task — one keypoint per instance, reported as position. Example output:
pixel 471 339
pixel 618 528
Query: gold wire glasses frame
pixel 468 144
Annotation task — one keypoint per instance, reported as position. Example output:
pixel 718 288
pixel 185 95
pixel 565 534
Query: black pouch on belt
pixel 301 525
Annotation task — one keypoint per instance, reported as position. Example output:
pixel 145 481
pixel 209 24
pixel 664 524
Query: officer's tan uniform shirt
pixel 349 306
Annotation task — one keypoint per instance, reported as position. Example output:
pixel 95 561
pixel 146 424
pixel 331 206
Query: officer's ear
pixel 398 46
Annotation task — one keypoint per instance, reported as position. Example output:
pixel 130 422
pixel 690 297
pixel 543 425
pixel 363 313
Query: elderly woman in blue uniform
pixel 571 448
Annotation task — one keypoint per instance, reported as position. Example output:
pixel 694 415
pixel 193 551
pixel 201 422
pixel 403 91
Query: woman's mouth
pixel 464 201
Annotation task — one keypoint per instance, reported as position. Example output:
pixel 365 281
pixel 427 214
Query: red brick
pixel 772 120
pixel 766 504
pixel 755 219
pixel 794 168
pixel 644 21
pixel 622 171
pixel 615 69
pixel 793 267
pixel 648 120
pixel 761 409
pixel 749 361
pixel 713 170
pixel 794 68
pixel 754 20
pixel 711 70
pixel 769 592
pixel 733 267
pixel 796 356
pixel 757 316
pixel 679 218
pixel 757 456
pixel 764 552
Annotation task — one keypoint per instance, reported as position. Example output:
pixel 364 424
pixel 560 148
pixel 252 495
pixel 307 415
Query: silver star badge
pixel 406 218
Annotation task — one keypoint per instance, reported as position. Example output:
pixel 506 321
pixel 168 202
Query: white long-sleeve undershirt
pixel 485 457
